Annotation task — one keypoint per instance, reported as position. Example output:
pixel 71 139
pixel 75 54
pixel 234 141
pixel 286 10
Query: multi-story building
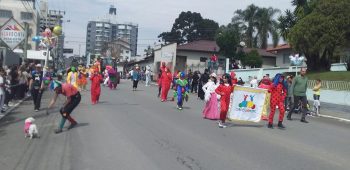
pixel 103 31
pixel 98 35
pixel 120 49
pixel 23 11
pixel 128 31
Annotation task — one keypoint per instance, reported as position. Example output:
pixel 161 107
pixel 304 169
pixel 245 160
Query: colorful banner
pixel 247 104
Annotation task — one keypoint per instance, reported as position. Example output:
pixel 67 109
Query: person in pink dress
pixel 224 90
pixel 211 110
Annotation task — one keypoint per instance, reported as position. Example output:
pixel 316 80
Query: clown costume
pixel 182 90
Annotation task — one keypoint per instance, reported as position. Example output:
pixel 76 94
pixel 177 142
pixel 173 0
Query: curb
pixel 8 111
pixel 336 118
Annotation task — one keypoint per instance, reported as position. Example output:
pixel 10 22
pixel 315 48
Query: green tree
pixel 285 23
pixel 228 38
pixel 258 24
pixel 319 33
pixel 267 25
pixel 189 27
pixel 207 29
pixel 149 51
pixel 252 59
pixel 247 20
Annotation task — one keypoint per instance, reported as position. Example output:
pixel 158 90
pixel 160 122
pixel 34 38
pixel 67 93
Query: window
pixel 26 15
pixel 286 59
pixel 127 52
pixel 5 13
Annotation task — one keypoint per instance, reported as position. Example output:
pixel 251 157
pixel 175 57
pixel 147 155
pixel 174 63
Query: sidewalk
pixel 15 104
pixel 328 110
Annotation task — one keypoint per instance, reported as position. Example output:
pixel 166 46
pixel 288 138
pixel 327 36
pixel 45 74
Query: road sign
pixel 12 33
pixel 68 51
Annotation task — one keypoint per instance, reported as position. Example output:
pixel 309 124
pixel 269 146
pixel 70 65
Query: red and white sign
pixel 12 33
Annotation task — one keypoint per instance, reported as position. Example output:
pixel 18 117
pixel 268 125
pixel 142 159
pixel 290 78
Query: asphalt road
pixel 134 130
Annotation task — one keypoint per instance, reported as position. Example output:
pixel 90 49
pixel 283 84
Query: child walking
pixel 224 90
pixel 182 90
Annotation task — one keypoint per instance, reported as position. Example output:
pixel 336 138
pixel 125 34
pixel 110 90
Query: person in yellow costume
pixel 82 74
pixel 72 77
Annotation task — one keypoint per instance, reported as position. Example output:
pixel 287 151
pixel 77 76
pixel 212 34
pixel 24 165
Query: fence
pixel 331 85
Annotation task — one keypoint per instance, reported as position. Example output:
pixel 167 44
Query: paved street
pixel 134 130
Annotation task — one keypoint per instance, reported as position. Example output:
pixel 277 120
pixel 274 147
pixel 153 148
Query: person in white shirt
pixel 254 82
pixel 148 75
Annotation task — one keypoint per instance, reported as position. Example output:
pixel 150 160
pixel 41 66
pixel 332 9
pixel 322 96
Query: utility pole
pixel 26 29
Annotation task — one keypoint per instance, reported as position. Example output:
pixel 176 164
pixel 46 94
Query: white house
pixel 193 55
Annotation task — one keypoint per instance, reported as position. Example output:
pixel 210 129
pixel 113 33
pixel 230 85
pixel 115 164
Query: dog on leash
pixel 30 129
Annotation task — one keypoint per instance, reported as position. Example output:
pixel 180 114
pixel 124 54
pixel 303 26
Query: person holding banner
pixel 224 90
pixel 278 94
pixel 211 110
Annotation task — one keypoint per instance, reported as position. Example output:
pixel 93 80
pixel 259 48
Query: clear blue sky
pixel 152 16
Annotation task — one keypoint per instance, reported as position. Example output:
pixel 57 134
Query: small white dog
pixel 30 129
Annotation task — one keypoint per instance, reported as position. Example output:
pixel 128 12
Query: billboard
pixel 12 33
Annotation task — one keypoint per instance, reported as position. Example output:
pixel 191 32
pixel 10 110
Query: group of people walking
pixel 282 91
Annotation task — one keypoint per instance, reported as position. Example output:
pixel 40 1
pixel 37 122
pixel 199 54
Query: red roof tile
pixel 201 45
pixel 261 52
pixel 279 47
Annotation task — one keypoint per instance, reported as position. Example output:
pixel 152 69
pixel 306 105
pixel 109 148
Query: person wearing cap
pixel 36 86
pixel 278 94
pixel 73 98
pixel 211 110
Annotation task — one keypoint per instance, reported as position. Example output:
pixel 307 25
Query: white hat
pixel 38 65
pixel 213 75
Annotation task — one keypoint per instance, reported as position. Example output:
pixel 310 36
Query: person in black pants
pixel 195 80
pixel 36 86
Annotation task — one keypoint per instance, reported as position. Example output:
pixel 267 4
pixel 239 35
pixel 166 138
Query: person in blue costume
pixel 182 90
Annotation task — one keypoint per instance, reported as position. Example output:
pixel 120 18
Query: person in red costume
pixel 166 80
pixel 278 94
pixel 233 78
pixel 224 90
pixel 96 79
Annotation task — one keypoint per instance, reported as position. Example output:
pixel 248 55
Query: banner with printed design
pixel 247 104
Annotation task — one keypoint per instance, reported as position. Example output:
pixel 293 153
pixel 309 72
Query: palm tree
pixel 247 19
pixel 286 22
pixel 267 25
